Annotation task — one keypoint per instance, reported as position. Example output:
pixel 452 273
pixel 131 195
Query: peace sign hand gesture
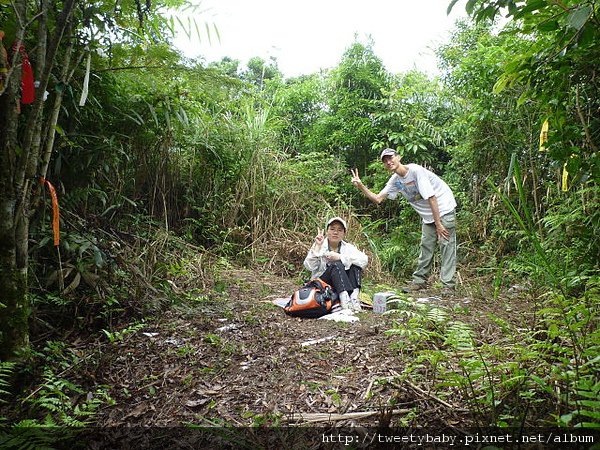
pixel 319 239
pixel 356 181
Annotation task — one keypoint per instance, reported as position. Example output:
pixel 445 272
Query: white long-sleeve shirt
pixel 316 262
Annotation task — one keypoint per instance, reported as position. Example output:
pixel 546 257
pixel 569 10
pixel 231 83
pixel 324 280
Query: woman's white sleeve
pixel 313 259
pixel 354 256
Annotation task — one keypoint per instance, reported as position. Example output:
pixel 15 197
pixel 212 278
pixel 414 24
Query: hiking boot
pixel 414 287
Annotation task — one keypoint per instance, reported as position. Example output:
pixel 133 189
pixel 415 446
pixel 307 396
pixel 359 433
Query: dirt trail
pixel 237 359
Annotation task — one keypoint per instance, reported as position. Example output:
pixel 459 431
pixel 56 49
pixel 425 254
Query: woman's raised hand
pixel 319 238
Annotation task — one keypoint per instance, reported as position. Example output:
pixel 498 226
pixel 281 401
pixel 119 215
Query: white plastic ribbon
pixel 86 81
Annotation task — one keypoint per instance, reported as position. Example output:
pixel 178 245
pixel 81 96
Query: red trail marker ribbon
pixel 27 81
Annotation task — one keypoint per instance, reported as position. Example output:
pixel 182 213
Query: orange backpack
pixel 314 299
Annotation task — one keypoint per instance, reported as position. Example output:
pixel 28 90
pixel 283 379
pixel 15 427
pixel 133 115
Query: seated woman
pixel 337 262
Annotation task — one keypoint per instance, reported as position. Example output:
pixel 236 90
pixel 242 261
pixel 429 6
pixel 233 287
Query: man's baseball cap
pixel 387 152
pixel 337 219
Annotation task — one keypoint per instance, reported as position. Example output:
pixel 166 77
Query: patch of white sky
pixel 310 35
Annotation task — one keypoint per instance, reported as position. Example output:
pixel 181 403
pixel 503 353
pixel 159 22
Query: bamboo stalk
pixel 329 417
pixel 586 128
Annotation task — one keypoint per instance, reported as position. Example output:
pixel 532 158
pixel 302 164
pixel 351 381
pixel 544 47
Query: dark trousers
pixel 340 278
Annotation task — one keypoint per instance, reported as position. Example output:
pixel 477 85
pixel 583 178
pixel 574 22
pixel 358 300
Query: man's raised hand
pixel 355 178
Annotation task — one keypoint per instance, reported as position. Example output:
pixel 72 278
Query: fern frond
pixel 459 336
pixel 6 371
pixel 437 315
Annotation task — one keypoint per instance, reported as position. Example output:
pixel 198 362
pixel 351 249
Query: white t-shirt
pixel 417 186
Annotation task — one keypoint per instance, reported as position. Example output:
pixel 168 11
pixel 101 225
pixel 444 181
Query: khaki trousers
pixel 429 238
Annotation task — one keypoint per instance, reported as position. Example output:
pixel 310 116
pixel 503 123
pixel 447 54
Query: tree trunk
pixel 20 162
pixel 14 306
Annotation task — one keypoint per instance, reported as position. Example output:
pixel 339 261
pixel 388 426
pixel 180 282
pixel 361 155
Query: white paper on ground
pixel 281 301
pixel 345 315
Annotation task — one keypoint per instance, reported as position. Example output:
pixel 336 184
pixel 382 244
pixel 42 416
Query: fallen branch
pixel 328 417
pixel 368 391
pixel 316 341
pixel 428 394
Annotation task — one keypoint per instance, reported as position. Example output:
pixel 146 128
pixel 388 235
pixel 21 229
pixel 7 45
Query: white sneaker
pixel 355 300
pixel 345 300
pixel 355 305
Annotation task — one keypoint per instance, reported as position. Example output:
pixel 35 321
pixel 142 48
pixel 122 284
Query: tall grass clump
pixel 562 261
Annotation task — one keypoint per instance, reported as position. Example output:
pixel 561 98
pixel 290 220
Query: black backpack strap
pixel 313 283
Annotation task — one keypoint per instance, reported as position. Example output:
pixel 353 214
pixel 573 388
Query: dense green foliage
pixel 245 165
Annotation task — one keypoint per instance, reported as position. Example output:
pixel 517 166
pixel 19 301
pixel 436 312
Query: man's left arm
pixel 442 232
